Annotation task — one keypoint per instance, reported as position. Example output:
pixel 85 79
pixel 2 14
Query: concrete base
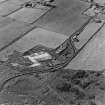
pixel 41 7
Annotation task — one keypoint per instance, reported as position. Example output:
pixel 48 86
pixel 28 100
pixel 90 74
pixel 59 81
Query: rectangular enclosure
pixel 29 15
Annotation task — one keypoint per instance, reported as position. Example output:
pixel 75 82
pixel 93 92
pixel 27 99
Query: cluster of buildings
pixel 41 2
pixel 96 10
